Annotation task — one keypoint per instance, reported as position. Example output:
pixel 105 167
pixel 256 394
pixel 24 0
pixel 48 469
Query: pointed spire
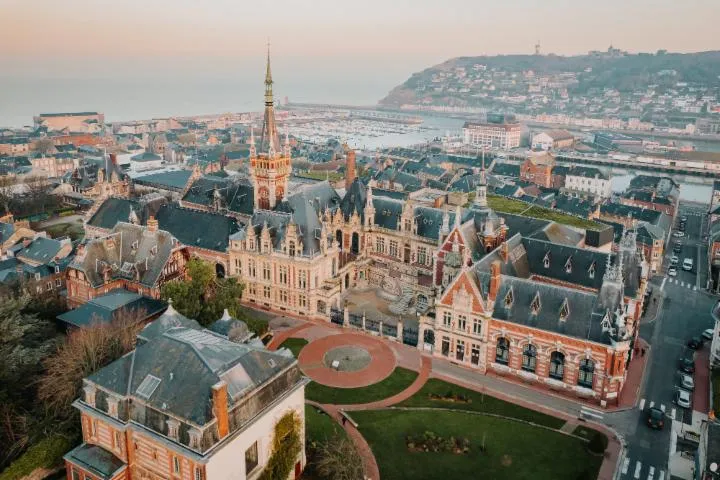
pixel 268 75
pixel 269 141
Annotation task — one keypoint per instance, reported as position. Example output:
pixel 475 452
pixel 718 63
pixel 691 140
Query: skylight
pixel 147 386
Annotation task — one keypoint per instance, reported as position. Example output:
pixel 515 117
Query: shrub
pixel 598 443
pixel 46 453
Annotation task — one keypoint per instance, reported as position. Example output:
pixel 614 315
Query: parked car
pixel 682 398
pixel 677 248
pixel 688 264
pixel 695 343
pixel 683 218
pixel 674 260
pixel 686 382
pixel 655 418
pixel 678 234
pixel 672 271
pixel 681 227
pixel 708 334
pixel 687 361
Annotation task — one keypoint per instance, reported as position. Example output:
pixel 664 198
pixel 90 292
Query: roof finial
pixel 268 73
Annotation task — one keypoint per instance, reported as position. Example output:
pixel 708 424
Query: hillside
pixel 571 81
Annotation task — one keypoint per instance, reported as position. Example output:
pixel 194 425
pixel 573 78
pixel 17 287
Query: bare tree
pixel 85 351
pixel 187 139
pixel 44 145
pixel 338 459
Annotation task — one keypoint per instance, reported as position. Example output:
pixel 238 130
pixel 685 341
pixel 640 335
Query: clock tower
pixel 270 166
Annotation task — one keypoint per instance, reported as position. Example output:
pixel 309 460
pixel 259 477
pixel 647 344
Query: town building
pixel 553 140
pixel 137 258
pixel 498 131
pixel 52 165
pixel 188 403
pixel 78 122
pixel 14 146
pixel 589 180
pixel 548 314
pixel 538 169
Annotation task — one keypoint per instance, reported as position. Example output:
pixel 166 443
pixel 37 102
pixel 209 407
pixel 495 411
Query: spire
pixel 286 147
pixel 253 152
pixel 269 141
pixel 458 216
pixel 481 188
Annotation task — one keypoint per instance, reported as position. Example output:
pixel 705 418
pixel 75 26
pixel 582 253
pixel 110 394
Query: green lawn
pixel 74 230
pixel 512 206
pixel 514 450
pixel 398 381
pixel 319 427
pixel 294 345
pixel 478 403
pixel 315 175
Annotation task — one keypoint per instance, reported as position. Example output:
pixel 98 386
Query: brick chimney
pixel 349 168
pixel 152 224
pixel 494 280
pixel 504 251
pixel 220 408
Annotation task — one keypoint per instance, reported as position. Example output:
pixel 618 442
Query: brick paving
pixel 381 365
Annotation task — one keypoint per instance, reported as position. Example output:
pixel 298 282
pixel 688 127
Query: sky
pixel 322 50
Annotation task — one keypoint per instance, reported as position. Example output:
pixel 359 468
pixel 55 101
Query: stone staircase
pixel 402 305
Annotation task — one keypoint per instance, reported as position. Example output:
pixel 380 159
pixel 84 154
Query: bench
pixel 344 414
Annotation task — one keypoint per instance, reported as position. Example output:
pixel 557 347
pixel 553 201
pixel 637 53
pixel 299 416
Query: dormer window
pixel 509 299
pixel 564 311
pixel 568 265
pixel 535 304
pixel 113 403
pixel 173 427
pixel 546 260
pixel 591 270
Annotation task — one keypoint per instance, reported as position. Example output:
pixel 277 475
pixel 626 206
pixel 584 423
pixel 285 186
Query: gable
pixel 463 292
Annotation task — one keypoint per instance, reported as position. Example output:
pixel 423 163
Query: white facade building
pixel 588 180
pixel 492 135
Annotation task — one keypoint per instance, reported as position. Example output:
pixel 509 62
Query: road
pixel 685 313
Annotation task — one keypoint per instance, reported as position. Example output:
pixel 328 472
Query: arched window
pixel 587 370
pixel 557 365
pixel 502 352
pixel 529 361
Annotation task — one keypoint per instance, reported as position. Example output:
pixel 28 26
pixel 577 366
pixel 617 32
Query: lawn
pixel 514 450
pixel 74 230
pixel 587 433
pixel 319 427
pixel 512 206
pixel 315 175
pixel 294 345
pixel 399 380
pixel 478 402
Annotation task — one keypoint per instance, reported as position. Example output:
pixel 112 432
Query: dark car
pixel 695 343
pixel 687 361
pixel 655 418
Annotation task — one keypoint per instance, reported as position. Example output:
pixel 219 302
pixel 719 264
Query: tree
pixel 204 297
pixel 44 145
pixel 187 139
pixel 338 459
pixel 85 351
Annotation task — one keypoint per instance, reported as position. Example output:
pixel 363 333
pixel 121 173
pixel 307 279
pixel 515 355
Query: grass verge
pixel 294 345
pixel 396 382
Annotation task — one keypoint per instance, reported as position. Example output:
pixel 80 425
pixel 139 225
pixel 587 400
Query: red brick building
pixel 538 169
pixel 133 257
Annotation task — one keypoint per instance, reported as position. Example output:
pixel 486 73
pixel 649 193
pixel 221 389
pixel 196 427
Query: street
pixel 684 313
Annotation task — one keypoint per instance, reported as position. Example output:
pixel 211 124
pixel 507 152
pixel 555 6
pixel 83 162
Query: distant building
pixel 538 169
pixel 14 146
pixel 553 140
pixel 616 141
pixel 707 126
pixel 588 180
pixel 498 131
pixel 80 122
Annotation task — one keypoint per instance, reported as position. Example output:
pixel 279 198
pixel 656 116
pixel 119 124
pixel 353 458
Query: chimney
pixel 504 251
pixel 113 158
pixel 220 408
pixel 152 224
pixel 349 168
pixel 494 280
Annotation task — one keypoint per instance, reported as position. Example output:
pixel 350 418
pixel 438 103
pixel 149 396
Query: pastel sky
pixel 406 32
pixel 323 50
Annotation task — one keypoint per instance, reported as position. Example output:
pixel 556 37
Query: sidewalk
pixel 634 379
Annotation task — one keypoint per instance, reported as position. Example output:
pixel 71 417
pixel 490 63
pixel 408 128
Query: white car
pixel 682 398
pixel 679 234
pixel 688 264
pixel 674 260
pixel 672 272
pixel 708 334
pixel 686 382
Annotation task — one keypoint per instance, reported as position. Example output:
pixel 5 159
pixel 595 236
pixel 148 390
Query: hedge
pixel 47 453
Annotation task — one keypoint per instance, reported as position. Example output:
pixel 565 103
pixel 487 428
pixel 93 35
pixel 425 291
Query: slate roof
pixel 125 257
pixel 95 460
pixel 114 210
pixel 228 326
pixel 585 172
pixel 146 156
pixel 171 318
pixel 41 250
pixel 106 307
pixel 237 193
pixel 6 231
pixel 188 362
pixel 174 180
pixel 574 206
pixel 196 228
pixel 646 196
pixel 637 213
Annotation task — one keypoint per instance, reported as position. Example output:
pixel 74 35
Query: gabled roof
pixel 106 307
pixel 41 250
pixel 237 193
pixel 196 228
pixel 174 180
